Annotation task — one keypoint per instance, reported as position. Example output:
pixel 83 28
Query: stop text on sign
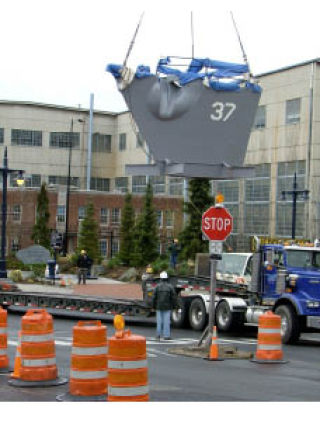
pixel 217 223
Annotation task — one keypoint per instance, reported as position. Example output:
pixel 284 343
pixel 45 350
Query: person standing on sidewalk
pixel 164 299
pixel 83 264
pixel 174 249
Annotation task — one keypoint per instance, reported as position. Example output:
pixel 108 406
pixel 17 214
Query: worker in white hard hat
pixel 164 299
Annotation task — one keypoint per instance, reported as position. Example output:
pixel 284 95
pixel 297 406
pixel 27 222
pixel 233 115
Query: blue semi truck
pixel 278 277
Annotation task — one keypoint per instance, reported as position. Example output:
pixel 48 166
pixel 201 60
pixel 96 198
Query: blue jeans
pixel 173 260
pixel 163 323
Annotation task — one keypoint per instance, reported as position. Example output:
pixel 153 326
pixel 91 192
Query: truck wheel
pixel 197 314
pixel 179 315
pixel 226 320
pixel 290 330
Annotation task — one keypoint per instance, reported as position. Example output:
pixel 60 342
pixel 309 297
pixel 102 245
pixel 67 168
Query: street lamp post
pixel 70 144
pixel 5 172
pixel 294 193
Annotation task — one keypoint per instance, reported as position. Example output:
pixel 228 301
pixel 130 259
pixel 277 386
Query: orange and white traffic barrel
pixel 269 347
pixel 4 360
pixel 127 368
pixel 214 347
pixel 89 363
pixel 38 358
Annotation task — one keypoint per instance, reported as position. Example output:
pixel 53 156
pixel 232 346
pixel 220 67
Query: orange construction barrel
pixel 4 360
pixel 127 368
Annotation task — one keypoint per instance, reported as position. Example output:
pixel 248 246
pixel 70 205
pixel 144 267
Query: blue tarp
pixel 218 70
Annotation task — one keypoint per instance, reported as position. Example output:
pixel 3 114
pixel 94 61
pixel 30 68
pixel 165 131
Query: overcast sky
pixel 56 51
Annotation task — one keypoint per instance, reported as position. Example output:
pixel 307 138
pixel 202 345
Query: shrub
pixel 159 265
pixel 38 270
pixel 15 275
pixel 14 263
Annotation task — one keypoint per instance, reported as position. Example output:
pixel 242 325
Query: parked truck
pixel 277 277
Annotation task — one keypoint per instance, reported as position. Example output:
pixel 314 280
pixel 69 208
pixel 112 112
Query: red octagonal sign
pixel 217 223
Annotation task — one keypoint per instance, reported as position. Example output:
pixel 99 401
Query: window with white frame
pixel 139 184
pixel 115 216
pixel 1 135
pixel 63 180
pixel 103 243
pixel 159 214
pixel 104 215
pixel 158 184
pixel 293 111
pixel 176 186
pixel 169 219
pixel 115 246
pixel 100 184
pixel 121 184
pixel 16 213
pixel 61 213
pixel 81 212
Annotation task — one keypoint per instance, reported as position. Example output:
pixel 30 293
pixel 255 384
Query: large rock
pixel 35 254
pixel 129 275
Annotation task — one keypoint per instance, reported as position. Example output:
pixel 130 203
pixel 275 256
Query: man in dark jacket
pixel 164 299
pixel 83 264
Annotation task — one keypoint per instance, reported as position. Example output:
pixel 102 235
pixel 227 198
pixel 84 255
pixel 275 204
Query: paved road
pixel 179 378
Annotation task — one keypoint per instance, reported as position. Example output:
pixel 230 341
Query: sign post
pixel 217 224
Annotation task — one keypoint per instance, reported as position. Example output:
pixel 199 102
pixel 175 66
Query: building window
pixel 30 181
pixel 286 171
pixel 16 213
pixel 159 218
pixel 61 213
pixel 81 212
pixel 31 138
pixel 230 190
pixel 103 248
pixel 169 219
pixel 257 201
pixel 100 184
pixel 139 184
pixel 293 111
pixel 122 141
pixel 63 180
pixel 115 216
pixel 115 246
pixel 1 135
pixel 176 186
pixel 104 215
pixel 101 143
pixel 158 184
pixel 121 184
pixel 260 118
pixel 64 139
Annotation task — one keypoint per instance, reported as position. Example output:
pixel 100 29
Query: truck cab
pixel 290 283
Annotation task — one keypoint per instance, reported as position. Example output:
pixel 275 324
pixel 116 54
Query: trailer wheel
pixel 290 330
pixel 179 316
pixel 197 315
pixel 226 319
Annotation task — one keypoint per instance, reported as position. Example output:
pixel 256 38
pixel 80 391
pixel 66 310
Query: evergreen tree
pixel 146 238
pixel 126 231
pixel 88 236
pixel 41 233
pixel 191 236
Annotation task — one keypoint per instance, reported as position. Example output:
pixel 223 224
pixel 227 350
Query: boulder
pixel 129 275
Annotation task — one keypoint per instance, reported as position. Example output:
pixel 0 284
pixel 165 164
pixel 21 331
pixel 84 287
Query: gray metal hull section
pixel 193 123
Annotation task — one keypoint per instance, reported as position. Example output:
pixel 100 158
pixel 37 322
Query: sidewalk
pixel 98 287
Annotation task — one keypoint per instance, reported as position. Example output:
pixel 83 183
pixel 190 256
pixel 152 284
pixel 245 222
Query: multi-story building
pixel 285 140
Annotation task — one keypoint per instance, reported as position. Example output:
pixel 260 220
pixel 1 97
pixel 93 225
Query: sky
pixel 56 52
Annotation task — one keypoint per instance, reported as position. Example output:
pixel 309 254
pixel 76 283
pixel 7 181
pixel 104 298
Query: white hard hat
pixel 163 275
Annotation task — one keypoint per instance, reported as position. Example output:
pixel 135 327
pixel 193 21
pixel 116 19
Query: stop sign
pixel 217 223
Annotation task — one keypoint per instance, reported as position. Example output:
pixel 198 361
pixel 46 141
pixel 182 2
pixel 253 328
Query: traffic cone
pixel 214 348
pixel 89 363
pixel 17 361
pixel 4 360
pixel 269 348
pixel 38 362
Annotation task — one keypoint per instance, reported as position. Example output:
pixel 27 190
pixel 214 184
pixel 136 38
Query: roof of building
pixel 288 67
